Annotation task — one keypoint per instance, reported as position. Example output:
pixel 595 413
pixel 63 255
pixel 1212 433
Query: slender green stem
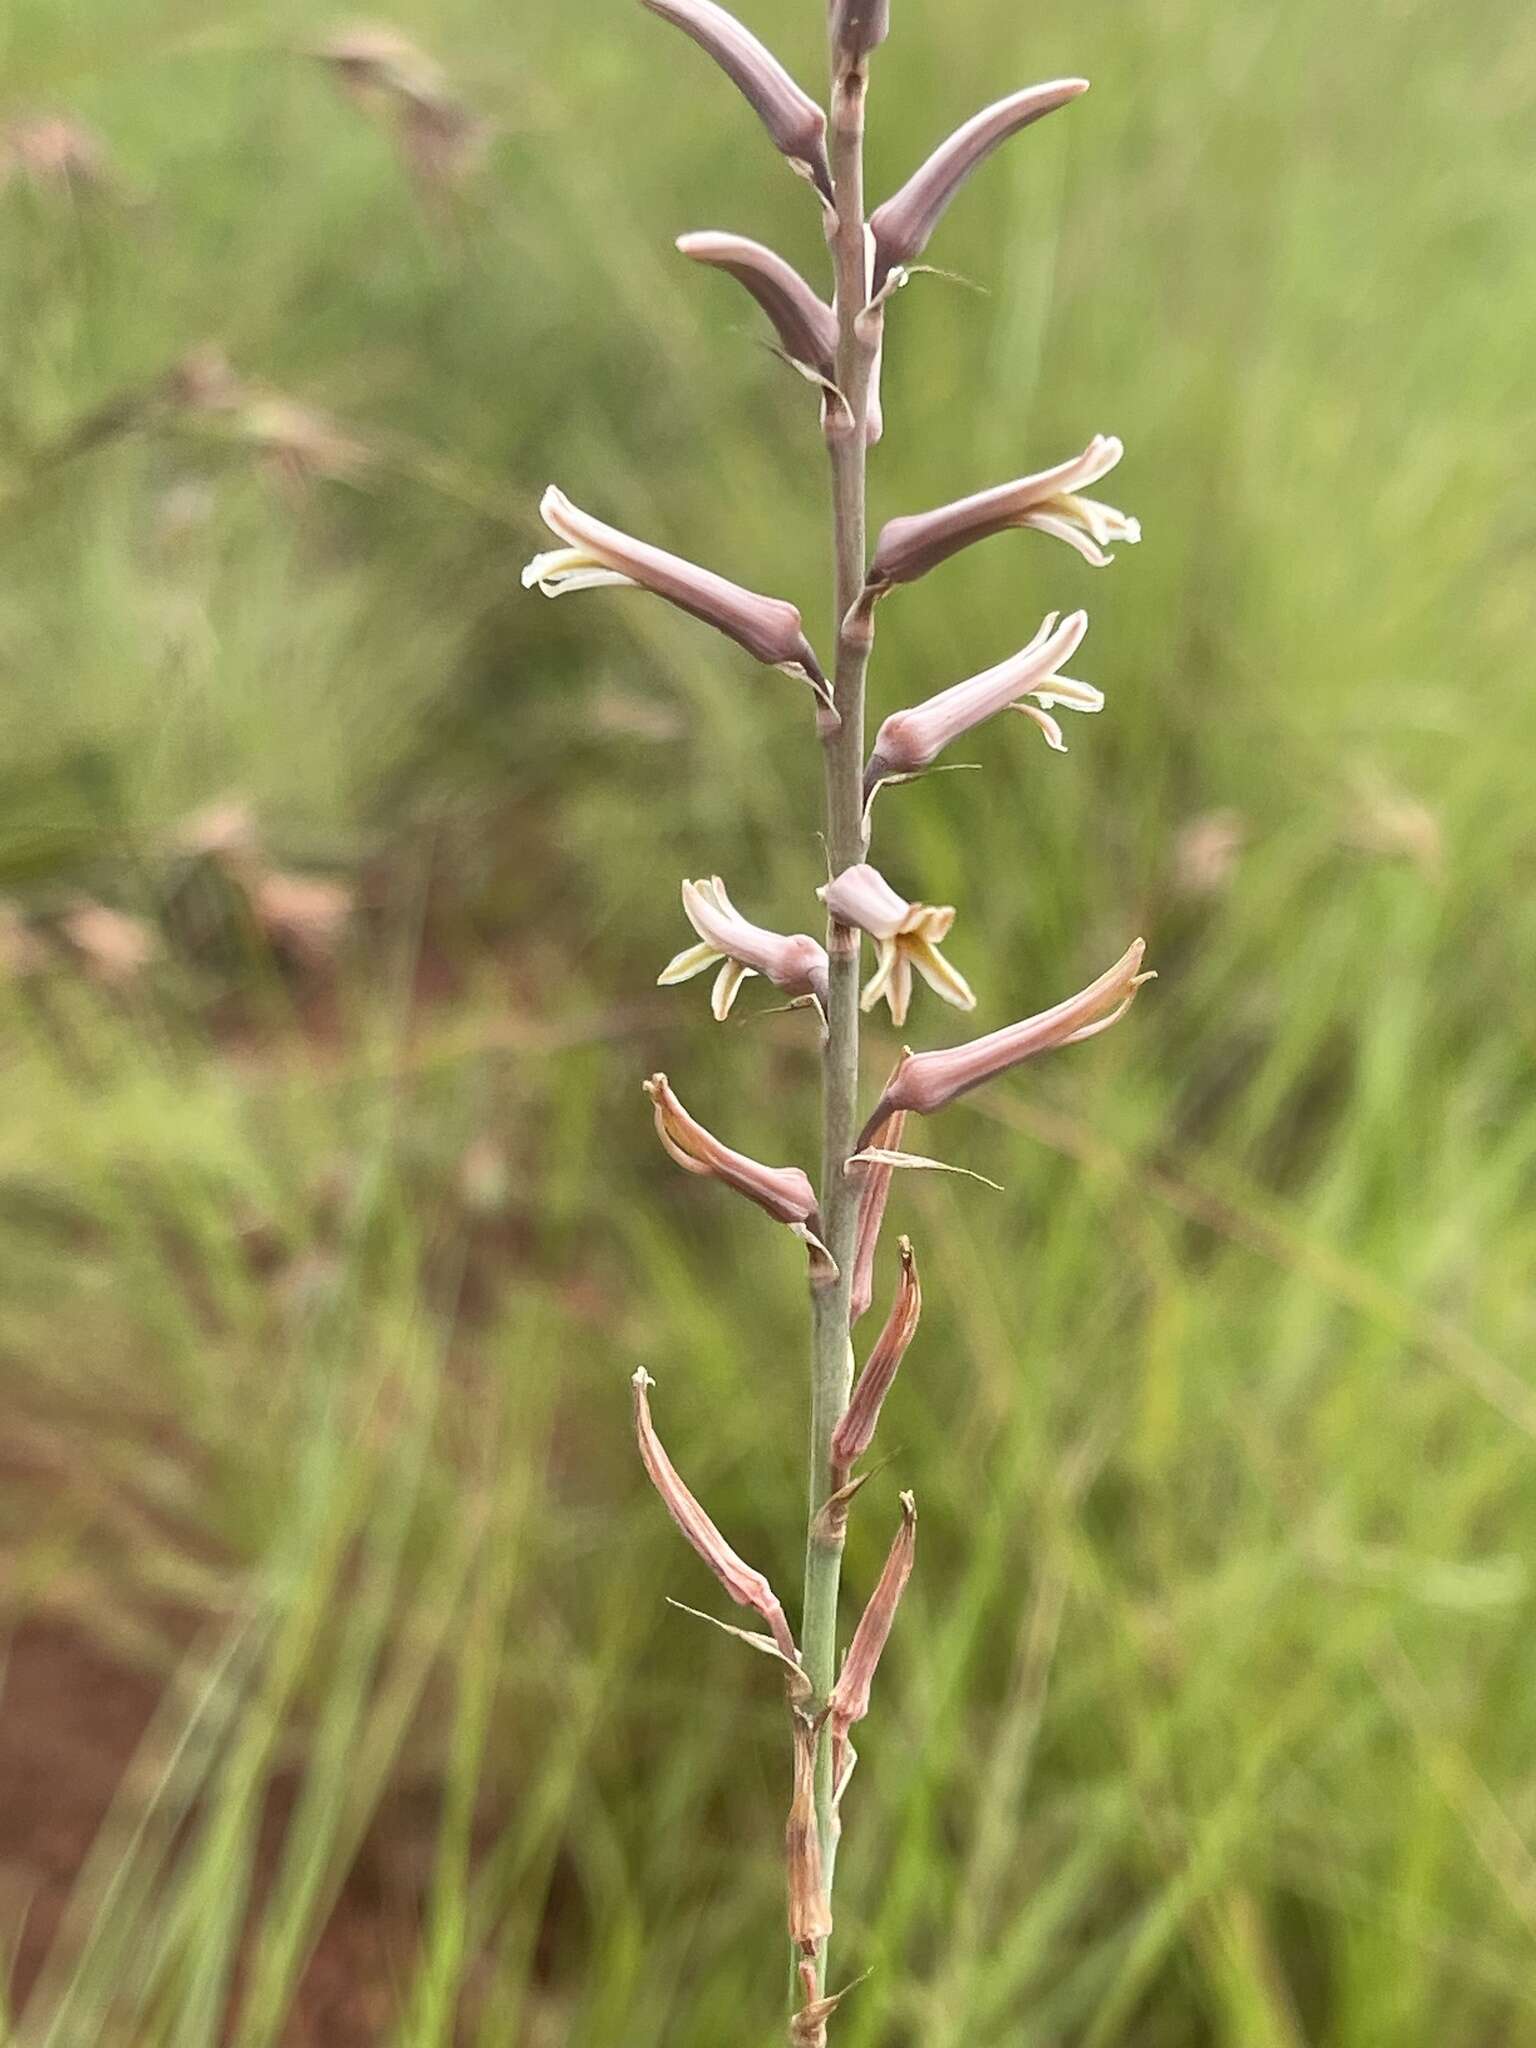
pixel 831 1353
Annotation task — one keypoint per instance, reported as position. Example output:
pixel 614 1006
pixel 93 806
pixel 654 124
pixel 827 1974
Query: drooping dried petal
pixel 856 1432
pixel 595 555
pixel 928 1081
pixel 784 1191
pixel 810 1916
pixel 805 324
pixel 872 1200
pixel 1050 502
pixel 797 125
pixel 911 740
pixel 859 26
pixel 904 223
pixel 849 1702
pixel 748 1588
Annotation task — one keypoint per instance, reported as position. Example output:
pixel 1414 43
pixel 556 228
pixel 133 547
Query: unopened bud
pixel 798 126
pixel 904 223
pixel 859 26
pixel 805 324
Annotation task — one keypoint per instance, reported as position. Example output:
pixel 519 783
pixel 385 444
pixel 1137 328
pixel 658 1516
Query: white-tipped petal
pixel 563 570
pixel 1047 725
pixel 726 989
pixel 945 980
pixel 685 965
pixel 1071 694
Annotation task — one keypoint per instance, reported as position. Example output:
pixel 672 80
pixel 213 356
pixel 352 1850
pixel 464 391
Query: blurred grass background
pixel 331 1224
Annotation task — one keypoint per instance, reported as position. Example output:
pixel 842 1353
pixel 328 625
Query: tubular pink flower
pixel 856 1432
pixel 596 556
pixel 805 324
pixel 904 223
pixel 747 1587
pixel 1050 503
pixel 911 740
pixel 784 1191
pixel 798 965
pixel 906 935
pixel 798 126
pixel 927 1081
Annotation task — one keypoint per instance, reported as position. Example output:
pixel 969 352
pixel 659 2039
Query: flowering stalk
pixel 838 346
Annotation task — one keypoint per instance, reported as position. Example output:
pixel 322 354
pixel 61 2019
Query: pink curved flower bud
pixel 798 964
pixel 856 1432
pixel 928 1081
pixel 873 1196
pixel 784 1191
pixel 906 935
pixel 797 125
pixel 859 26
pixel 805 324
pixel 747 1587
pixel 904 223
pixel 595 556
pixel 911 740
pixel 1050 503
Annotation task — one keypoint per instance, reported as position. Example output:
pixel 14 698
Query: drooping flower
pixel 907 935
pixel 1050 502
pixel 784 1191
pixel 796 964
pixel 929 1081
pixel 902 226
pixel 798 126
pixel 596 556
pixel 911 740
pixel 805 324
pixel 746 1586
